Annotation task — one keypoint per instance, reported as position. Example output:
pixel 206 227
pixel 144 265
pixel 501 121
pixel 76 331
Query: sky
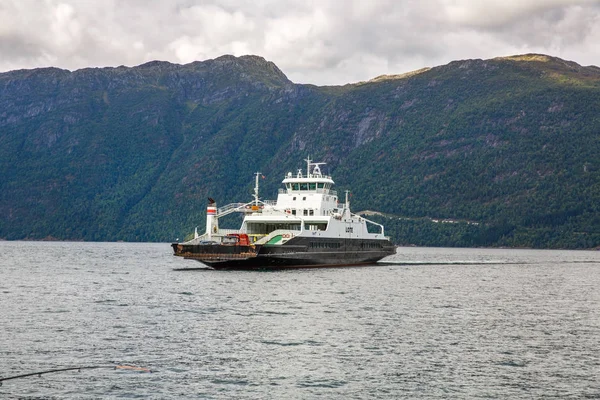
pixel 324 42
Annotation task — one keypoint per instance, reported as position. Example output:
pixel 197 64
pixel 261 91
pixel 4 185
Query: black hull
pixel 297 253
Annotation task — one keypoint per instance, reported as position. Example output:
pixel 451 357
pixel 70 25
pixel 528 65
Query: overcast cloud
pixel 320 42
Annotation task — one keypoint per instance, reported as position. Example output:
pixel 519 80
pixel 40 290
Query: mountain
pixel 499 152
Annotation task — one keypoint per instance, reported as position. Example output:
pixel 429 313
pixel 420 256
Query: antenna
pixel 317 169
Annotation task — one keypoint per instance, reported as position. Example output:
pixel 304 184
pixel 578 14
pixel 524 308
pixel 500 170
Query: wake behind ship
pixel 304 227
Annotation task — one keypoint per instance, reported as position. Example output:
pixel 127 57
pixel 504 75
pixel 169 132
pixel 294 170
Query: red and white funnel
pixel 212 222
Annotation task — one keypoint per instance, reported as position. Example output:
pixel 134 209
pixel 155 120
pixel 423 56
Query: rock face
pixel 510 145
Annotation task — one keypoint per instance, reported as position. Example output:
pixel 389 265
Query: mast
pixel 308 160
pixel 347 200
pixel 256 188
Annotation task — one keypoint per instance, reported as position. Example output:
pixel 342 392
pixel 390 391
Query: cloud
pixel 492 13
pixel 216 31
pixel 64 26
pixel 320 42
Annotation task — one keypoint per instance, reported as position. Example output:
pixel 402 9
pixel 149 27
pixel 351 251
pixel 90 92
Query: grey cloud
pixel 17 48
pixel 552 29
pixel 325 42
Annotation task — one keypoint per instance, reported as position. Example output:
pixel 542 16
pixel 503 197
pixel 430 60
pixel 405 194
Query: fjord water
pixel 431 323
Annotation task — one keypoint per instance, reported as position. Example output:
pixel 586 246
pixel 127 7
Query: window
pixel 320 185
pixel 311 212
pixel 294 197
pixel 305 212
pixel 293 211
pixel 312 186
pixel 315 226
pixel 304 198
pixel 295 186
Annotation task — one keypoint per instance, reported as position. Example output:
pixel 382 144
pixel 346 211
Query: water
pixel 434 323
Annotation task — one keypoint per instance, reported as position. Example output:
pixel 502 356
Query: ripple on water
pixel 447 323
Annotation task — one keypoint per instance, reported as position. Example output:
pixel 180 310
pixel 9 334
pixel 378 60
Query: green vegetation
pixel 501 152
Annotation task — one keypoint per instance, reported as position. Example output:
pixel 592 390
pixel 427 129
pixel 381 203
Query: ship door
pixel 349 233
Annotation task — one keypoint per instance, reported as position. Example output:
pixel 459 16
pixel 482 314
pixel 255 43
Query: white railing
pixel 242 207
pixel 229 207
pixel 225 232
pixel 371 222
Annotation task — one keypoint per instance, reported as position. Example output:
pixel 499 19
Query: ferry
pixel 305 227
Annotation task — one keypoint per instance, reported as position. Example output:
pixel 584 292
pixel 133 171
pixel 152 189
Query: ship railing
pixel 371 222
pixel 214 237
pixel 244 207
pixel 229 208
pixel 225 232
pixel 197 240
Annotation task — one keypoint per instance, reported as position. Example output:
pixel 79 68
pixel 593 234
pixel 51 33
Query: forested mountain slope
pixel 501 152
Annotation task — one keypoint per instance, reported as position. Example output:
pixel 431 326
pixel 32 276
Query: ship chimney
pixel 212 222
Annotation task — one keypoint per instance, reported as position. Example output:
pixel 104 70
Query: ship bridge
pixel 313 180
pixel 308 194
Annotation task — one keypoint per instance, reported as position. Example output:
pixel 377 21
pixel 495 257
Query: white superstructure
pixel 307 206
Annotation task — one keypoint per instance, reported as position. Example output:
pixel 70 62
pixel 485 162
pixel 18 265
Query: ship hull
pixel 300 252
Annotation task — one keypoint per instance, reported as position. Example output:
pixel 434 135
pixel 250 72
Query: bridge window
pixel 304 186
pixel 312 186
pixel 320 185
pixel 315 226
pixel 264 229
